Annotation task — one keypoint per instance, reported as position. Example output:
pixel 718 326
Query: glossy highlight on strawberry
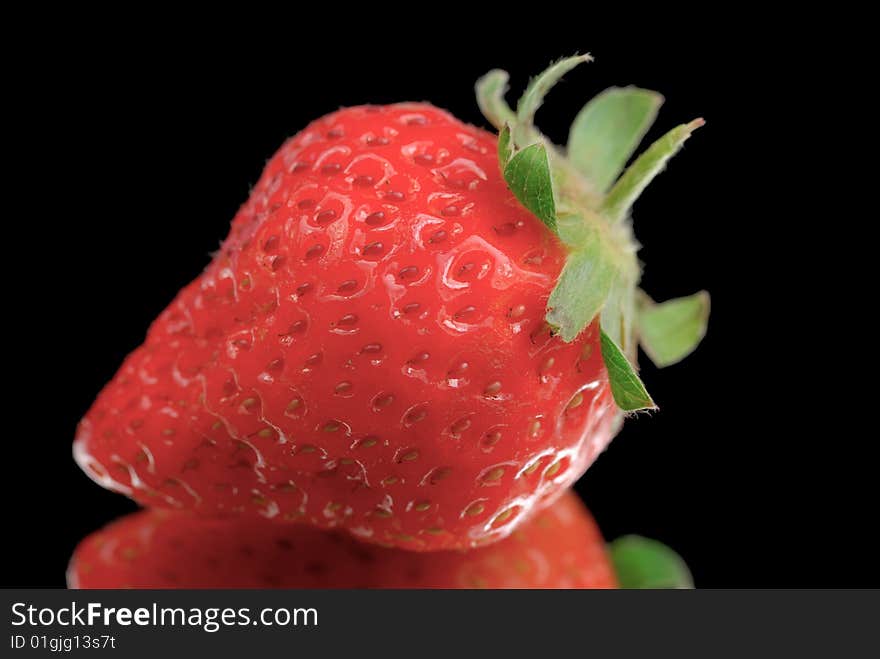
pixel 367 350
pixel 559 548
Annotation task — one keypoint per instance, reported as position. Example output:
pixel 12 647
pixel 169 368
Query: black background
pixel 138 151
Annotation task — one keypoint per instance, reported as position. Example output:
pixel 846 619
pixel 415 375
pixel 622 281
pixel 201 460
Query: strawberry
pixel 401 336
pixel 559 548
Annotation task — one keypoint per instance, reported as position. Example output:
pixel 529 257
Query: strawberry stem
pixel 564 190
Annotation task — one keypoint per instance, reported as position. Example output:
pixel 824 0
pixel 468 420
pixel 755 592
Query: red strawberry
pixel 559 548
pixel 369 348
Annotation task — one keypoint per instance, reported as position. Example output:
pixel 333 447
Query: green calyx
pixel 583 194
pixel 648 564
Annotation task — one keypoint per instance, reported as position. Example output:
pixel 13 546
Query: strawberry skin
pixel 366 351
pixel 560 547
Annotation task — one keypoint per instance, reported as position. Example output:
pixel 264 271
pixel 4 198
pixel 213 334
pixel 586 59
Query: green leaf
pixel 638 175
pixel 528 176
pixel 671 331
pixel 539 86
pixel 582 288
pixel 626 387
pixel 490 97
pixel 607 131
pixel 505 148
pixel 643 563
pixel 619 314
